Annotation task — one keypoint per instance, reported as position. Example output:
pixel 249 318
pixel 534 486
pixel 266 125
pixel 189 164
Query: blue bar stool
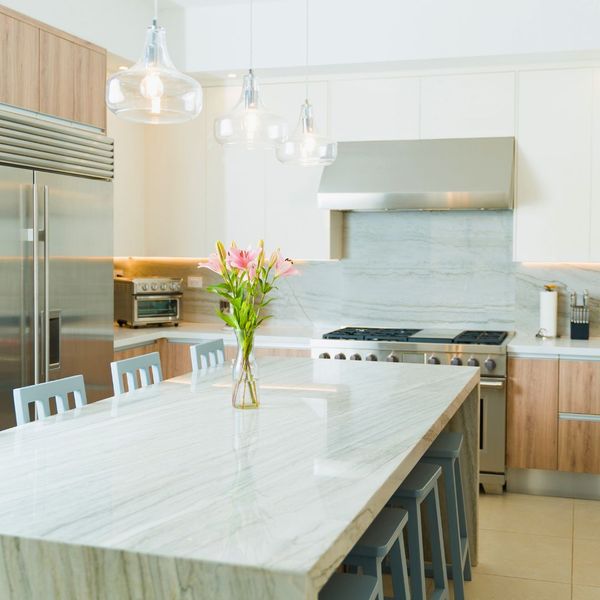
pixel 384 537
pixel 420 487
pixel 343 586
pixel 445 451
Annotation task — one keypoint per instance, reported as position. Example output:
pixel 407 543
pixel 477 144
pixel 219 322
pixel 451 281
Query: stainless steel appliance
pixel 147 301
pixel 483 349
pixel 450 174
pixel 56 310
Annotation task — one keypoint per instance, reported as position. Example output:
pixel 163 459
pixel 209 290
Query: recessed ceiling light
pixel 232 75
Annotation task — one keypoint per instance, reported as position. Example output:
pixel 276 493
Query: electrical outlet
pixel 195 282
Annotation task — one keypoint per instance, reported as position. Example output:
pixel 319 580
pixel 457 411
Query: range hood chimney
pixel 449 174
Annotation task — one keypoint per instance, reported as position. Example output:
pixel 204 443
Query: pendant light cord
pixel 155 20
pixel 251 34
pixel 306 71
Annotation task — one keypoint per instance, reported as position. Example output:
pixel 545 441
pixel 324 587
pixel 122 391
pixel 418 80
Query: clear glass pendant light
pixel 250 123
pixel 306 148
pixel 153 91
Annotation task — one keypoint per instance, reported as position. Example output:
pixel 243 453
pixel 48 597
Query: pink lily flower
pixel 213 263
pixel 252 268
pixel 240 259
pixel 284 267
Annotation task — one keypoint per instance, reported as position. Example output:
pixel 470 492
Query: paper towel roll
pixel 548 311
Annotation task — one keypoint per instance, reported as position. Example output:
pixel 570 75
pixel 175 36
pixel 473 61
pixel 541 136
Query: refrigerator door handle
pixel 36 287
pixel 46 287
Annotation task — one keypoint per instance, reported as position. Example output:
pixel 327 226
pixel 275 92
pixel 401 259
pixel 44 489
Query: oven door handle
pixel 164 296
pixel 489 382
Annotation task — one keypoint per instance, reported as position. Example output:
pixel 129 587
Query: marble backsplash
pixel 413 269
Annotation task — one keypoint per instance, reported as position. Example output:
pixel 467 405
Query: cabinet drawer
pixel 579 443
pixel 579 386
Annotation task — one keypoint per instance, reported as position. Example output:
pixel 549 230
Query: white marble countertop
pixel 529 345
pixel 170 485
pixel 268 336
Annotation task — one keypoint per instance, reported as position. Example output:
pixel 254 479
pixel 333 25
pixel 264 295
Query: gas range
pixel 475 348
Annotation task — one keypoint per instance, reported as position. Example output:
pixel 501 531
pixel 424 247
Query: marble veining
pixel 169 490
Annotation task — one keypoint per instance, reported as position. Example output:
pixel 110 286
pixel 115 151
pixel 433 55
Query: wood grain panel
pixel 175 358
pixel 89 82
pixel 579 386
pixel 579 446
pixel 136 351
pixel 19 63
pixel 57 68
pixel 532 414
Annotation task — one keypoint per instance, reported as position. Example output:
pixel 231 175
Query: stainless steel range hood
pixel 448 174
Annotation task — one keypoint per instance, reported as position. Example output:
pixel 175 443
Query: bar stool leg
pixel 462 520
pixel 373 567
pixel 415 550
pixel 438 559
pixel 399 571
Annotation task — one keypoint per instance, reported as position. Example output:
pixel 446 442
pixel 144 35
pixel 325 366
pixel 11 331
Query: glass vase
pixel 245 373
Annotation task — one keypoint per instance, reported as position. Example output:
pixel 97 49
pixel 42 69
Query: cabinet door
pixel 532 413
pixel 375 109
pixel 461 106
pixel 579 444
pixel 135 351
pixel 552 213
pixel 19 63
pixel 57 69
pixel 90 78
pixel 579 390
pixel 175 359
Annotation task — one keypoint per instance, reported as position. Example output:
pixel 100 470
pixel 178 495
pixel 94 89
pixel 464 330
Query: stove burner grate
pixel 370 333
pixel 494 338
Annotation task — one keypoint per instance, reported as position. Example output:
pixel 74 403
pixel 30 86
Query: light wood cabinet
pixel 579 388
pixel 89 80
pixel 532 413
pixel 136 351
pixel 579 445
pixel 49 71
pixel 57 72
pixel 19 63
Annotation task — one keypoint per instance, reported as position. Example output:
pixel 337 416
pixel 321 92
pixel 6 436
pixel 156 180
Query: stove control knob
pixel 340 356
pixel 489 364
pixel 433 360
pixel 473 362
pixel 144 286
pixel 163 286
pixel 371 357
pixel 154 286
pixel 392 358
pixel 456 361
pixel 324 355
pixel 175 286
pixel 355 357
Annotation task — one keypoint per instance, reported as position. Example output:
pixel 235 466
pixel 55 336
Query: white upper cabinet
pixel 554 150
pixel 460 106
pixel 375 109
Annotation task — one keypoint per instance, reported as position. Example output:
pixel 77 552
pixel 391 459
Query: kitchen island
pixel 167 492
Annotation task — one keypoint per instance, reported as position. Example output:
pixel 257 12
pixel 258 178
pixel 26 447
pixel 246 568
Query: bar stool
pixel 445 451
pixel 147 366
pixel 207 354
pixel 383 538
pixel 343 586
pixel 420 487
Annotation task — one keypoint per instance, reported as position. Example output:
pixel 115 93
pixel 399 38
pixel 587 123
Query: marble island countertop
pixel 167 492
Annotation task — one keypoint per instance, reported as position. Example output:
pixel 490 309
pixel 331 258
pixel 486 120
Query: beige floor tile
pixel 509 554
pixel 587 519
pixel 586 562
pixel 581 592
pixel 493 587
pixel 527 514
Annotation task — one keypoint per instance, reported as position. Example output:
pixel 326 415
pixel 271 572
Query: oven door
pixel 160 308
pixel 492 431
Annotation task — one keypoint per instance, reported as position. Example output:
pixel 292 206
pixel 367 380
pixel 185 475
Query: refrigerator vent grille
pixel 40 144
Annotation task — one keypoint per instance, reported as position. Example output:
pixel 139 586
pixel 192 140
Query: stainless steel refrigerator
pixel 56 294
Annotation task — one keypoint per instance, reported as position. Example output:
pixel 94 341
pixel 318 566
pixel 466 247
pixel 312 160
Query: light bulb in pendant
pixel 305 147
pixel 153 91
pixel 249 123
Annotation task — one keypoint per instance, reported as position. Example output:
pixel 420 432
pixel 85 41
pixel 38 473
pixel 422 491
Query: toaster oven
pixel 144 301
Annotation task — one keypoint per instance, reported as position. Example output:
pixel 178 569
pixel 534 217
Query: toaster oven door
pixel 157 309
